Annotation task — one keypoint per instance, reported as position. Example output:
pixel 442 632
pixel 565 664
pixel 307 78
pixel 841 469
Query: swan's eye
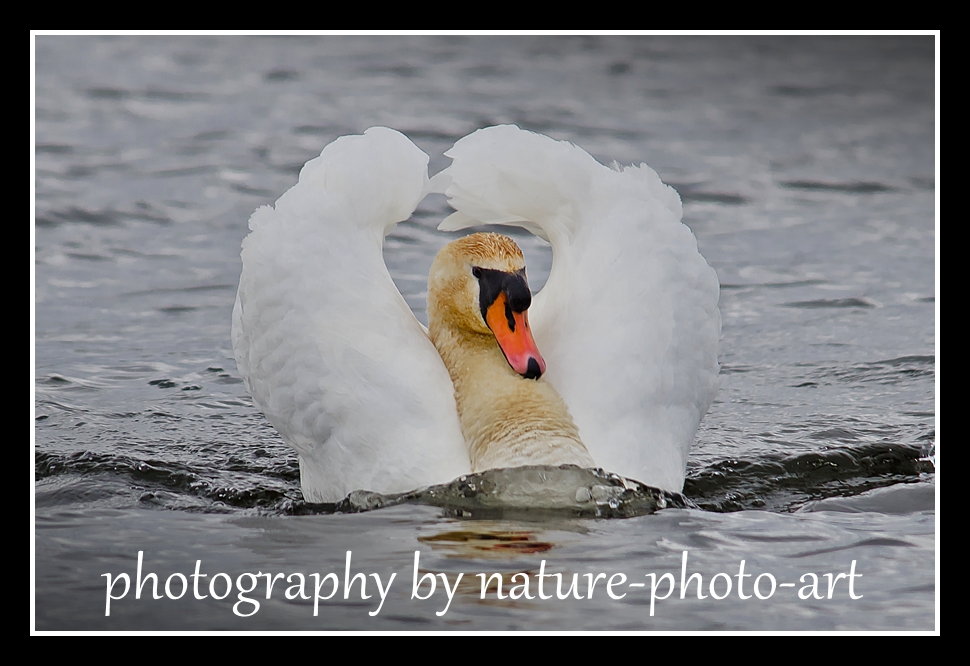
pixel 477 272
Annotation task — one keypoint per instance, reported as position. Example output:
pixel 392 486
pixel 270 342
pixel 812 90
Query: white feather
pixel 328 348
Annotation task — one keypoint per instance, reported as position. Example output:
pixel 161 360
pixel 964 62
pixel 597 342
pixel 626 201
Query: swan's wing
pixel 327 346
pixel 628 321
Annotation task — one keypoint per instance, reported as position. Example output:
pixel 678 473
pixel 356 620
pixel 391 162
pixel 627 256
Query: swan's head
pixel 478 285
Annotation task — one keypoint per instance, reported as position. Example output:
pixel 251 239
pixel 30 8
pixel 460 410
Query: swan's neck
pixel 507 420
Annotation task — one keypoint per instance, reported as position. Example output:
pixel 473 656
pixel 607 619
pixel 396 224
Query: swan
pixel 621 366
pixel 478 320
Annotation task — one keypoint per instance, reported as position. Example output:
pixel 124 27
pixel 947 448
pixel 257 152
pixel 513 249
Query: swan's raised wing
pixel 328 348
pixel 628 320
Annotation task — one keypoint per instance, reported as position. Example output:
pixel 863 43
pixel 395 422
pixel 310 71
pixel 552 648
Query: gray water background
pixel 806 166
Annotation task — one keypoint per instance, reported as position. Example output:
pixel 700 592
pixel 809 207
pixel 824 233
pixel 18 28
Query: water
pixel 806 166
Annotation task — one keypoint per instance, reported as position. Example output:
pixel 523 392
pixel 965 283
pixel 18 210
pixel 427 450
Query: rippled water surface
pixel 806 167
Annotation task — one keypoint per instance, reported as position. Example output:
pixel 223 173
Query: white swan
pixel 627 323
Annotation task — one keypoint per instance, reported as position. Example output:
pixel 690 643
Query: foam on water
pixel 534 491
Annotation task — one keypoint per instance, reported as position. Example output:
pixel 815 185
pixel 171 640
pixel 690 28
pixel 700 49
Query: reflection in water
pixel 516 568
pixel 481 540
pixel 487 541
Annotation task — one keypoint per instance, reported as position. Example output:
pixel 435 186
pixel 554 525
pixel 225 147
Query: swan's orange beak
pixel 511 330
